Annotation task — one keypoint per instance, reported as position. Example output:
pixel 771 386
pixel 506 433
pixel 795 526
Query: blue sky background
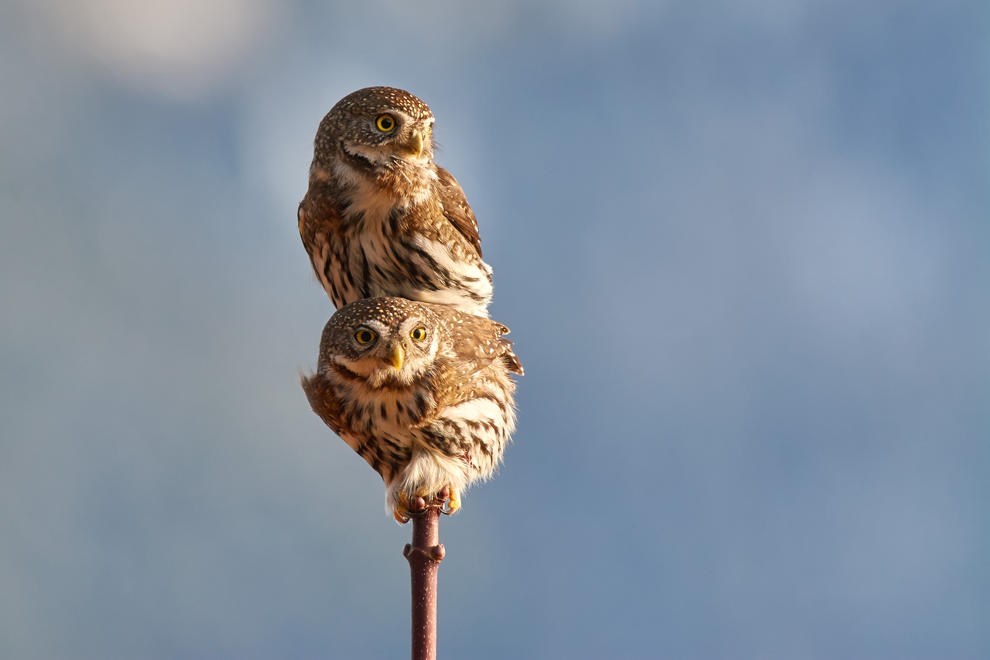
pixel 742 246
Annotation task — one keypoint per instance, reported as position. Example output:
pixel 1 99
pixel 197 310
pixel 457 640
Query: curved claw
pixel 406 507
pixel 447 500
pixel 452 504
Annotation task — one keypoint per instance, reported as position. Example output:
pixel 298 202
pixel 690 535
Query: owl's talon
pixel 406 507
pixel 452 504
pixel 409 506
pixel 447 500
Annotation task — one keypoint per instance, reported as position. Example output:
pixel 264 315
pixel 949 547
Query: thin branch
pixel 424 555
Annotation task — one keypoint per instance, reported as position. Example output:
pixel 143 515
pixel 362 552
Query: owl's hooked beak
pixel 414 145
pixel 396 355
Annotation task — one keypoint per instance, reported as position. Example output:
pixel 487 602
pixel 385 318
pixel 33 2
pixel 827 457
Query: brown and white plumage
pixel 380 218
pixel 421 391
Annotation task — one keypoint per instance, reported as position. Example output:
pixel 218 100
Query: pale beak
pixel 397 356
pixel 414 145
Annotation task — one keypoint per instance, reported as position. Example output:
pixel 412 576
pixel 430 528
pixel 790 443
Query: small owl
pixel 421 391
pixel 380 218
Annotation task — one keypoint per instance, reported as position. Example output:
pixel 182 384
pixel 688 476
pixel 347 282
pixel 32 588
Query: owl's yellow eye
pixel 385 123
pixel 418 333
pixel 364 336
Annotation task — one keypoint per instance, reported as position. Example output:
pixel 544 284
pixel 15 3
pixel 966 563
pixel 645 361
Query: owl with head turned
pixel 380 217
pixel 420 391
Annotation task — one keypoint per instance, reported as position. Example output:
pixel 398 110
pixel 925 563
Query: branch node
pixel 434 553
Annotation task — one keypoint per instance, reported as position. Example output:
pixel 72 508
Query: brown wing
pixel 457 210
pixel 481 341
pixel 318 218
pixel 477 345
pixel 323 401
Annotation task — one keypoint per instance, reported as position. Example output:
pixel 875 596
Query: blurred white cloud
pixel 184 50
pixel 181 49
pixel 276 137
pixel 464 25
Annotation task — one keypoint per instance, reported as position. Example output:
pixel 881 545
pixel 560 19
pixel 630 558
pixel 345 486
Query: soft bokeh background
pixel 743 247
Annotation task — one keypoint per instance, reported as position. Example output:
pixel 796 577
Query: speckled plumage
pixel 381 218
pixel 426 412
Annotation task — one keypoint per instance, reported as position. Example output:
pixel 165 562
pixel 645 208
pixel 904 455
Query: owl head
pixel 383 341
pixel 377 127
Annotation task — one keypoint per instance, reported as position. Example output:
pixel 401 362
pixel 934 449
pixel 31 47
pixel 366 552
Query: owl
pixel 420 391
pixel 380 218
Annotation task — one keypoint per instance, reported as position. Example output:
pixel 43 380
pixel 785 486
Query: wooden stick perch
pixel 424 555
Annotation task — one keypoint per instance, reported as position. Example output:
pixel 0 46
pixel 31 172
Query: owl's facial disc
pixel 387 352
